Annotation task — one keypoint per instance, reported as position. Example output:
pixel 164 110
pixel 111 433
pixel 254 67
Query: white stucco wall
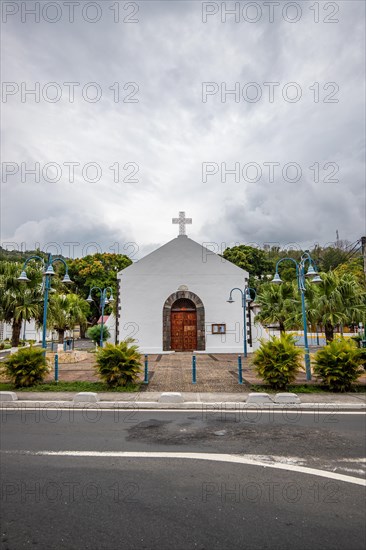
pixel 146 285
pixel 111 324
pixel 29 330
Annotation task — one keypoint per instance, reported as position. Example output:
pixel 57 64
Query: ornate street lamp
pixel 245 299
pixel 313 275
pixel 47 273
pixel 104 300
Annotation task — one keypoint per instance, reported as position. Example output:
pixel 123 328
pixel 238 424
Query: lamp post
pixel 313 275
pixel 48 274
pixel 245 299
pixel 104 300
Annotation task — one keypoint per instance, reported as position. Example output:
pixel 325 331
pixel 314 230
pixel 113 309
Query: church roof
pixel 184 255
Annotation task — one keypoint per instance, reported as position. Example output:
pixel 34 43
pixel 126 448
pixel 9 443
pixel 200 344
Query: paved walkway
pixel 173 372
pixel 214 373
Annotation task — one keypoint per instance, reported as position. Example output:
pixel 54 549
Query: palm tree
pixel 65 311
pixel 277 303
pixel 19 302
pixel 338 299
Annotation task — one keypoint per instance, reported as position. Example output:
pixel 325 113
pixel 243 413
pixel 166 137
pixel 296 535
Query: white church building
pixel 175 299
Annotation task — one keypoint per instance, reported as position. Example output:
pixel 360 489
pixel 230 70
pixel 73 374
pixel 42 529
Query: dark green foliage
pixel 252 259
pixel 94 333
pixel 26 367
pixel 97 270
pixel 119 365
pixel 278 361
pixel 339 364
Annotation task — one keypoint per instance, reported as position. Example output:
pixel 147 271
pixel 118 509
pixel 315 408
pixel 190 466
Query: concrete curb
pixel 214 407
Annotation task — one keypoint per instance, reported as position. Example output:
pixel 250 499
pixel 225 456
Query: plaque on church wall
pixel 219 328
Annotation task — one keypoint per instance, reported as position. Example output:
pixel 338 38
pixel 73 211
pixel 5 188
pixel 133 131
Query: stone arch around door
pixel 181 294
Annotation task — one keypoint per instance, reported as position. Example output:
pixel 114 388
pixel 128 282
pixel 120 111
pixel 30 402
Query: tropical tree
pixel 277 303
pixel 252 259
pixel 355 267
pixel 19 302
pixel 338 299
pixel 97 270
pixel 66 311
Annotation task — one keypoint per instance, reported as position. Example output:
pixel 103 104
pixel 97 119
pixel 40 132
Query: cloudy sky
pixel 147 126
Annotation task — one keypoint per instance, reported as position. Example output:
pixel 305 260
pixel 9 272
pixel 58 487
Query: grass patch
pixel 305 388
pixel 71 386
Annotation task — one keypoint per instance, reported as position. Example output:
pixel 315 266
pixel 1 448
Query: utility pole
pixel 363 248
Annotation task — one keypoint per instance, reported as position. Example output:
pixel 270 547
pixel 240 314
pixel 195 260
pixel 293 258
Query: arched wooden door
pixel 183 325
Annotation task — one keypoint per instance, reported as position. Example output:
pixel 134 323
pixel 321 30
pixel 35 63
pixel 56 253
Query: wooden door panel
pixel 183 330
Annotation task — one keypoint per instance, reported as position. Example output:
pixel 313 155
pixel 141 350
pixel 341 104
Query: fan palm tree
pixel 66 311
pixel 338 299
pixel 19 302
pixel 277 303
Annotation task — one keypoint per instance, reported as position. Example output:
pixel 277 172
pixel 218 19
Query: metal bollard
pixel 146 378
pixel 240 370
pixel 194 379
pixel 56 367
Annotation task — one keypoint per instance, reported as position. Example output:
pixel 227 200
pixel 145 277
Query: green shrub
pixel 278 361
pixel 119 365
pixel 363 357
pixel 339 364
pixel 94 333
pixel 26 367
pixel 357 339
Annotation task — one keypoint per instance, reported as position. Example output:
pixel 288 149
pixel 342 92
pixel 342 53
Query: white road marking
pixel 352 470
pixel 234 459
pixel 219 409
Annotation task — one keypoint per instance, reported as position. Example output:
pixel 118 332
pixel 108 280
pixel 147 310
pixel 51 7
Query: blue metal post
pixel 194 378
pixel 101 325
pixel 45 306
pixel 56 367
pixel 146 378
pixel 240 370
pixel 306 345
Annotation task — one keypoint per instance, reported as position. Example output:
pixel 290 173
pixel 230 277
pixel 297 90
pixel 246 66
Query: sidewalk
pixel 330 402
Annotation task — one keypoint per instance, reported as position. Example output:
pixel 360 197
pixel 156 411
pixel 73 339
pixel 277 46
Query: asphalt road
pixel 67 482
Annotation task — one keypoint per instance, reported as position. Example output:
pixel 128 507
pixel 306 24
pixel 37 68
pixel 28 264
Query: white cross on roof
pixel 182 220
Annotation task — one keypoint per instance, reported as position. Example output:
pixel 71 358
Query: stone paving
pixel 83 371
pixel 173 372
pixel 214 373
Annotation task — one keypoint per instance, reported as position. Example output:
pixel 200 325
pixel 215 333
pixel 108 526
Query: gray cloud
pixel 170 132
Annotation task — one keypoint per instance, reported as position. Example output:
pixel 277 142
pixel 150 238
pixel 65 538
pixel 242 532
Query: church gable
pixel 182 254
